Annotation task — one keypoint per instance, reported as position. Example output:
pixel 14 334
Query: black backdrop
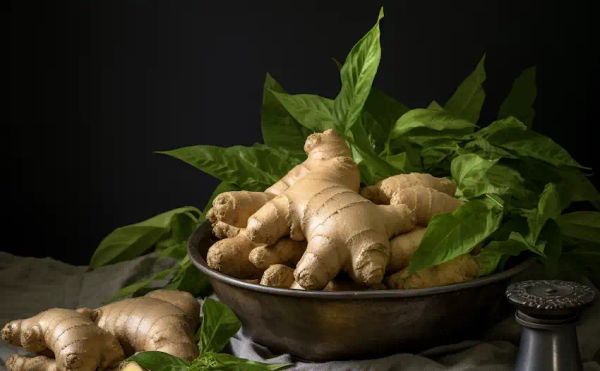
pixel 96 86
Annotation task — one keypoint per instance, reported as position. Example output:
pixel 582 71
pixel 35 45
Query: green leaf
pixel 372 167
pixel 311 111
pixel 511 135
pixel 143 286
pixel 251 168
pixel 457 233
pixel 549 207
pixel 491 255
pixel 222 361
pixel 433 119
pixel 468 98
pixel 369 134
pixel 476 176
pixel 159 361
pixel 552 247
pixel 435 106
pixel 219 323
pixel 128 242
pixel 519 102
pixel 174 244
pixel 384 109
pixel 357 76
pixel 581 226
pixel 279 128
pixel 188 278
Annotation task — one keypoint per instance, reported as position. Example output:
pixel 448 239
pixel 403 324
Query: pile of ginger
pixel 88 339
pixel 315 229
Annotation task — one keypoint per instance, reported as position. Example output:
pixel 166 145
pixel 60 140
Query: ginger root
pixel 460 269
pixel 231 257
pixel 383 191
pixel 77 343
pixel 235 207
pixel 315 219
pixel 402 248
pixel 318 202
pixel 16 362
pixel 224 230
pixel 344 230
pixel 230 210
pixel 278 275
pixel 426 202
pixel 285 251
pixel 159 321
pixel 131 366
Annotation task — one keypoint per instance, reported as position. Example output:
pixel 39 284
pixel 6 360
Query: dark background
pixel 96 86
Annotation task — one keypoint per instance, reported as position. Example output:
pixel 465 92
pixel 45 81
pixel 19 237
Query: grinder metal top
pixel 549 297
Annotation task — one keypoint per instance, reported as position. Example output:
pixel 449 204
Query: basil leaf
pixel 188 278
pixel 372 168
pixel 143 286
pixel 476 176
pixel 174 245
pixel 552 247
pixel 279 128
pixel 128 242
pixel 549 207
pixel 311 111
pixel 435 106
pixel 457 233
pixel 511 135
pixel 222 361
pixel 369 133
pixel 581 226
pixel 159 361
pixel 357 76
pixel 491 255
pixel 468 98
pixel 251 168
pixel 219 323
pixel 519 102
pixel 436 120
pixel 384 109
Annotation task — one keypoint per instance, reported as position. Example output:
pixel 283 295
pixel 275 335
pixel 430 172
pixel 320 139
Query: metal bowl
pixel 323 326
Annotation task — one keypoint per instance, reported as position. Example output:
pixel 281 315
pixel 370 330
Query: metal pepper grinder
pixel 548 311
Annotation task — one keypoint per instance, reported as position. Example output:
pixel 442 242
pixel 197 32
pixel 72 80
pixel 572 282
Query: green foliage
pixel 219 324
pixel 519 102
pixel 457 233
pixel 159 361
pixel 468 98
pixel 250 168
pixel 357 75
pixel 131 241
pixel 278 126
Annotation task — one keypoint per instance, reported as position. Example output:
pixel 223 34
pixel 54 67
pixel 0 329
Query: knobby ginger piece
pixel 402 248
pixel 460 269
pixel 426 202
pixel 285 251
pixel 383 191
pixel 73 337
pixel 278 275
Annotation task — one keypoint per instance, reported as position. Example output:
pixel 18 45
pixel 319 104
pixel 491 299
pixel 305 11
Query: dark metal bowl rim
pixel 200 263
